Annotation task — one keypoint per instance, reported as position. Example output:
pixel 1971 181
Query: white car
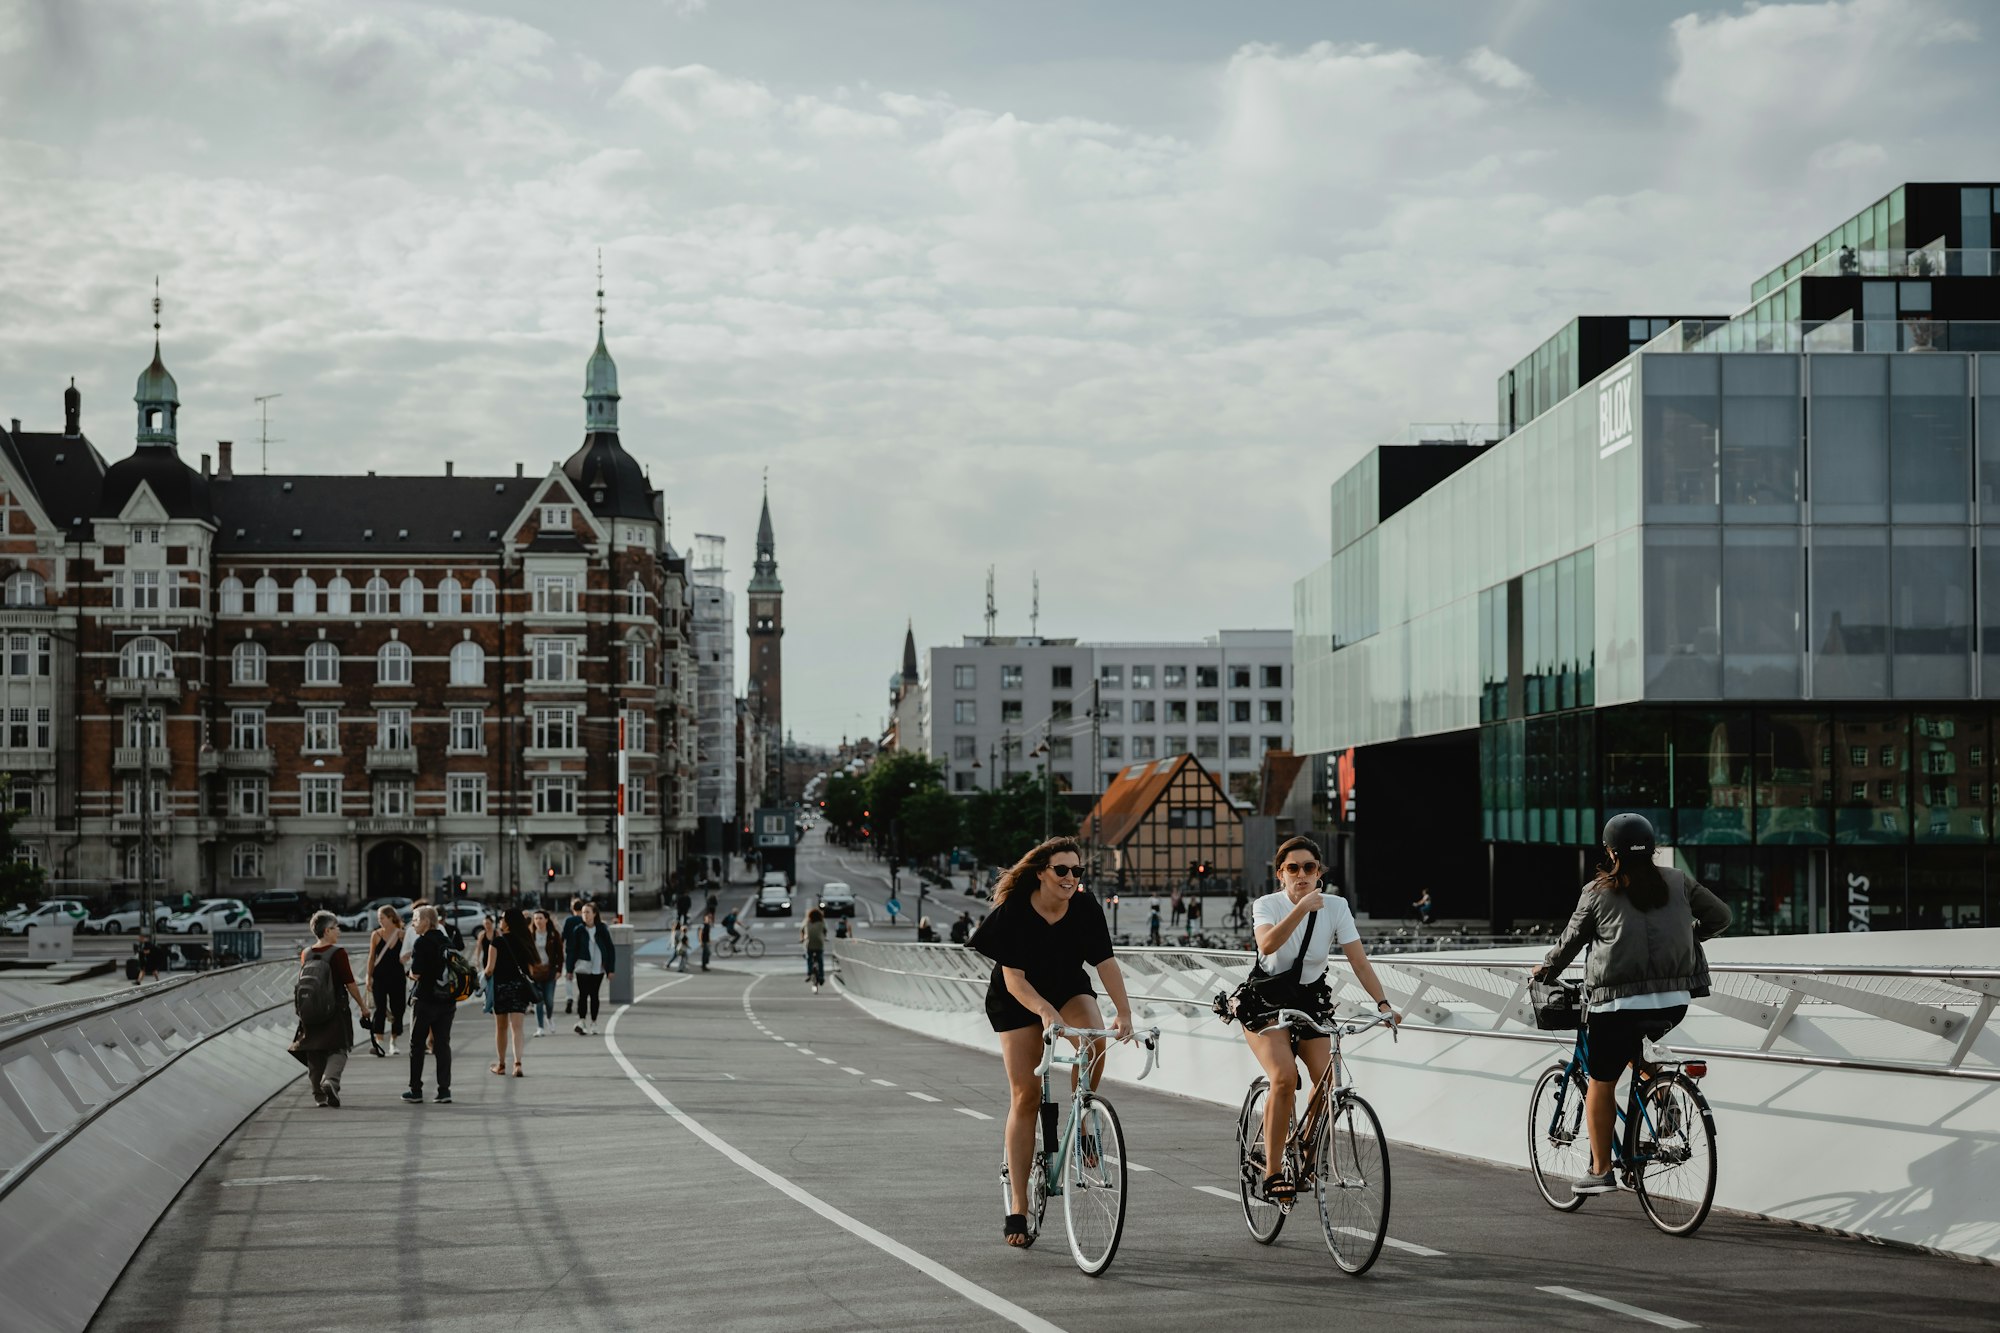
pixel 363 918
pixel 211 914
pixel 465 914
pixel 836 899
pixel 774 900
pixel 42 914
pixel 127 917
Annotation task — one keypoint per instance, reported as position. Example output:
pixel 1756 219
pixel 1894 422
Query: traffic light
pixel 1200 870
pixel 551 873
pixel 461 888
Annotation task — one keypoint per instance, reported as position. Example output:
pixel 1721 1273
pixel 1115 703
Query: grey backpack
pixel 313 994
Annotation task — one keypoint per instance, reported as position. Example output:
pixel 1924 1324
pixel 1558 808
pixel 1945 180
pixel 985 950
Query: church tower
pixel 767 633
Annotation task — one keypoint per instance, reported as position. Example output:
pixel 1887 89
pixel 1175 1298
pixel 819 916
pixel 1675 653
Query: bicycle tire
pixel 752 947
pixel 1554 1156
pixel 1264 1218
pixel 1352 1170
pixel 1094 1196
pixel 1038 1194
pixel 1676 1182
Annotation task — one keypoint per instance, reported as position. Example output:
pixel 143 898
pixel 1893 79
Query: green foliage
pixel 928 824
pixel 891 781
pixel 19 881
pixel 998 826
pixel 845 800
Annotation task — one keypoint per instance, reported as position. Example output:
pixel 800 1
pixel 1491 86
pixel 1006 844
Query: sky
pixel 1106 294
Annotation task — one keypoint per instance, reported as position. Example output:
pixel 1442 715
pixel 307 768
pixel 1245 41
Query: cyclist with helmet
pixel 1643 922
pixel 1296 929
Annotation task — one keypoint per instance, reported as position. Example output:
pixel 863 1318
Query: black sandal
pixel 1280 1189
pixel 1016 1225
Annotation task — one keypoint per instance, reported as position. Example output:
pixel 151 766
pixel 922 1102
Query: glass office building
pixel 1745 581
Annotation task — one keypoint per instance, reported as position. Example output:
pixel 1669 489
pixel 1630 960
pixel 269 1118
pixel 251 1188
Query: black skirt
pixel 1008 1014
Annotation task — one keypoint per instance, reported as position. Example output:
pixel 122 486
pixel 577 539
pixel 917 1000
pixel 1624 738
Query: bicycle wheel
pixel 753 947
pixel 1094 1191
pixel 1038 1194
pixel 1676 1179
pixel 1352 1184
pixel 1265 1218
pixel 1558 1145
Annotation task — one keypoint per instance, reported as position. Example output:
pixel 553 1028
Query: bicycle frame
pixel 1087 1051
pixel 1328 1089
pixel 1632 1115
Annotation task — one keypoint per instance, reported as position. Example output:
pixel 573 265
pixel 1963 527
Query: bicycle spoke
pixel 1677 1179
pixel 1558 1144
pixel 1264 1218
pixel 1094 1185
pixel 1352 1184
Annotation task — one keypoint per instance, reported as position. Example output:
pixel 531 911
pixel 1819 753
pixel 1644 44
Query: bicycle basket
pixel 1558 1005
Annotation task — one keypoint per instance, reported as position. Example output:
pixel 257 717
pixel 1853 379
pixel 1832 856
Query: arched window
pixel 413 596
pixel 468 664
pixel 144 659
pixel 392 664
pixel 375 598
pixel 246 664
pixel 24 588
pixel 322 862
pixel 322 663
pixel 229 597
pixel 339 597
pixel 449 602
pixel 483 596
pixel 635 597
pixel 635 661
pixel 558 860
pixel 468 860
pixel 305 596
pixel 246 861
pixel 267 596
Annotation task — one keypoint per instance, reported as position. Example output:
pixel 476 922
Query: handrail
pixel 26 1023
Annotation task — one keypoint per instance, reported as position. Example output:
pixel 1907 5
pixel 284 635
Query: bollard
pixel 621 981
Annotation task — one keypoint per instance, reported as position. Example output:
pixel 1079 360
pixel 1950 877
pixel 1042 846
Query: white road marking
pixel 823 1060
pixel 930 1268
pixel 850 1069
pixel 1619 1307
pixel 1407 1247
pixel 924 1097
pixel 802 1050
pixel 1231 1195
pixel 273 1180
pixel 794 1045
pixel 1132 1165
pixel 976 1115
pixel 882 1082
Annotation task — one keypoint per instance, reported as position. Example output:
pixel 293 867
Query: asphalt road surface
pixel 736 1152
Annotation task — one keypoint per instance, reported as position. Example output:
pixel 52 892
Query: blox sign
pixel 1614 411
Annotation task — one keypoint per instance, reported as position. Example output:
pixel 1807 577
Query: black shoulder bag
pixel 1262 993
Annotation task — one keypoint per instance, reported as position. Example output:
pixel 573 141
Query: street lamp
pixel 149 716
pixel 1041 752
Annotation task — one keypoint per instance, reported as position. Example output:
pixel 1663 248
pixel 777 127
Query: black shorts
pixel 1008 1014
pixel 1312 997
pixel 1614 1037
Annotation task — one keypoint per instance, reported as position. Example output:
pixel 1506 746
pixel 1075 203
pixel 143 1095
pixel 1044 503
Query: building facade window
pixel 229 597
pixel 466 793
pixel 468 860
pixel 394 798
pixel 249 798
pixel 485 597
pixel 635 597
pixel 267 596
pixel 1207 710
pixel 1010 677
pixel 322 861
pixel 1239 710
pixel 964 676
pixel 1271 710
pixel 1010 710
pixel 246 861
pixel 468 731
pixel 1145 710
pixel 965 712
pixel 305 596
pixel 555 796
pixel 1111 675
pixel 964 747
pixel 555 728
pixel 1173 677
pixel 450 595
pixel 558 861
pixel 392 663
pixel 375 597
pixel 554 660
pixel 339 597
pixel 468 663
pixel 1205 747
pixel 319 796
pixel 1205 677
pixel 322 731
pixel 145 658
pixel 411 596
pixel 24 588
pixel 635 730
pixel 246 664
pixel 1274 677
pixel 322 663
pixel 1143 747
pixel 246 729
pixel 635 662
pixel 1062 678
pixel 556 516
pixel 392 729
pixel 555 595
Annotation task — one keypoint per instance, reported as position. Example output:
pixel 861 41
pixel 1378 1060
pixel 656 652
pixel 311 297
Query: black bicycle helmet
pixel 1628 833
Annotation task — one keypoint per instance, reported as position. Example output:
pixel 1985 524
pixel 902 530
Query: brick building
pixel 352 685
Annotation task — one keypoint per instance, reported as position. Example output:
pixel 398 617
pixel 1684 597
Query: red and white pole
pixel 618 850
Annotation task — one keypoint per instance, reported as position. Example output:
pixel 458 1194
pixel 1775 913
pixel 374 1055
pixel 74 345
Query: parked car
pixel 281 905
pixel 774 900
pixel 127 916
pixel 212 914
pixel 836 899
pixel 46 913
pixel 463 914
pixel 363 917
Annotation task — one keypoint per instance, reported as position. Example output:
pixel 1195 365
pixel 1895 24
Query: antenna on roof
pixel 264 440
pixel 1035 612
pixel 600 291
pixel 992 613
pixel 156 314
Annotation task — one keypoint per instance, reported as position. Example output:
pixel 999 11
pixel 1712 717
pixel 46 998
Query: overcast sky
pixel 1108 291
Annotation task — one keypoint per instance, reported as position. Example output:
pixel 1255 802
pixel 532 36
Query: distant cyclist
pixel 1297 917
pixel 1644 921
pixel 1042 931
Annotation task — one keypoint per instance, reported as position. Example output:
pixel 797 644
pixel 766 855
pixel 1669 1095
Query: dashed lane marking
pixel 1133 1165
pixel 930 1268
pixel 882 1082
pixel 925 1097
pixel 1619 1307
pixel 1231 1195
pixel 823 1060
pixel 850 1069
pixel 976 1115
pixel 1407 1247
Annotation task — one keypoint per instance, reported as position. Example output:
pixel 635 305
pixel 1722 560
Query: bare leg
pixel 499 1042
pixel 1599 1105
pixel 517 1025
pixel 1273 1049
pixel 1021 1050
pixel 1081 1011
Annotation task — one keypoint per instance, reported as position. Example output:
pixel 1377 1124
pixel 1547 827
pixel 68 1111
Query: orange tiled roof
pixel 1281 770
pixel 1135 791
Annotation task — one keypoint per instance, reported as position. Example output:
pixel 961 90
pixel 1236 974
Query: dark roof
pixel 181 490
pixel 65 472
pixel 910 652
pixel 1137 789
pixel 335 513
pixel 601 464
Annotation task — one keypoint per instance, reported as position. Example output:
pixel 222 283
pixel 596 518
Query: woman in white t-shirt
pixel 1298 916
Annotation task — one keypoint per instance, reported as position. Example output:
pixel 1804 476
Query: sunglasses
pixel 1300 867
pixel 1064 872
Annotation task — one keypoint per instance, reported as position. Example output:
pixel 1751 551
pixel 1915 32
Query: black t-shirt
pixel 1052 954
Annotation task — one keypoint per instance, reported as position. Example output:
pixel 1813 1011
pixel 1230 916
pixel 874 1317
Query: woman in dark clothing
pixel 1042 931
pixel 544 968
pixel 589 958
pixel 388 983
pixel 508 956
pixel 322 1046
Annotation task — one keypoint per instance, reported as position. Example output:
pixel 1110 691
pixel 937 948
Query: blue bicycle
pixel 1665 1146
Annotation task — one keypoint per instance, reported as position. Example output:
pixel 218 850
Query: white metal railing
pixel 64 1065
pixel 1891 1019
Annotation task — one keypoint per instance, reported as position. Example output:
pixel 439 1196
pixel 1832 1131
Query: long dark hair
pixel 1028 870
pixel 514 933
pixel 1634 875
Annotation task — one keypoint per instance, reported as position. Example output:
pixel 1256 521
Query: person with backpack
pixel 326 1030
pixel 433 1003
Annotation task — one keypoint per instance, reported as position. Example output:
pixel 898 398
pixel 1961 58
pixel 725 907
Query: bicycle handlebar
pixel 1345 1027
pixel 1150 1037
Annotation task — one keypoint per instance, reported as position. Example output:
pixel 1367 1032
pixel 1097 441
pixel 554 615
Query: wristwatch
pixel 1383 1004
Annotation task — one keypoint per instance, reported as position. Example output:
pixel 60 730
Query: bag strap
pixel 1298 968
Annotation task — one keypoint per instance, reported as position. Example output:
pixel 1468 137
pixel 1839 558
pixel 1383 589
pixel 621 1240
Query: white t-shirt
pixel 1335 926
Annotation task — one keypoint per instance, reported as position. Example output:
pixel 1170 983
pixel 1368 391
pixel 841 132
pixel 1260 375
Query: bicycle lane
pixel 902 1133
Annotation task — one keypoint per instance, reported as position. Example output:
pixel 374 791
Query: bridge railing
pixel 1892 1019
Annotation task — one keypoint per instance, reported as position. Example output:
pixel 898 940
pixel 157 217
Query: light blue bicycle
pixel 1083 1159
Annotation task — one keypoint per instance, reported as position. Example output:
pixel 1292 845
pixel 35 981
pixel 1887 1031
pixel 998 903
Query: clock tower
pixel 767 633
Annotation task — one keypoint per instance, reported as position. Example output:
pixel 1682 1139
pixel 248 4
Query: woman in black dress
pixel 388 983
pixel 1042 931
pixel 508 958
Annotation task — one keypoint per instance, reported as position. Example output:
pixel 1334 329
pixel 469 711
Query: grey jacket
pixel 1642 953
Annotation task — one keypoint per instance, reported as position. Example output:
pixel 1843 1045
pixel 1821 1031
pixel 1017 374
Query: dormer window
pixel 555 516
pixel 145 536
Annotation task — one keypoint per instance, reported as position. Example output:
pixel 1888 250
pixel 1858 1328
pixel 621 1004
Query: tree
pixel 928 826
pixel 892 779
pixel 845 801
pixel 1000 825
pixel 19 881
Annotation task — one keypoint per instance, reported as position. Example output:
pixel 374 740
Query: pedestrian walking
pixel 681 906
pixel 509 955
pixel 1153 924
pixel 482 955
pixel 589 957
pixel 326 1029
pixel 707 931
pixel 386 979
pixel 679 959
pixel 813 935
pixel 431 1006
pixel 1176 918
pixel 712 903
pixel 569 923
pixel 545 964
pixel 1239 908
pixel 1194 914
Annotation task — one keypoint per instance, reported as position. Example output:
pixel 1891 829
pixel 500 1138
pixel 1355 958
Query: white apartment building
pixel 995 706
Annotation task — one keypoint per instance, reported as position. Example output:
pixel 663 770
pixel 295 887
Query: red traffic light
pixel 552 874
